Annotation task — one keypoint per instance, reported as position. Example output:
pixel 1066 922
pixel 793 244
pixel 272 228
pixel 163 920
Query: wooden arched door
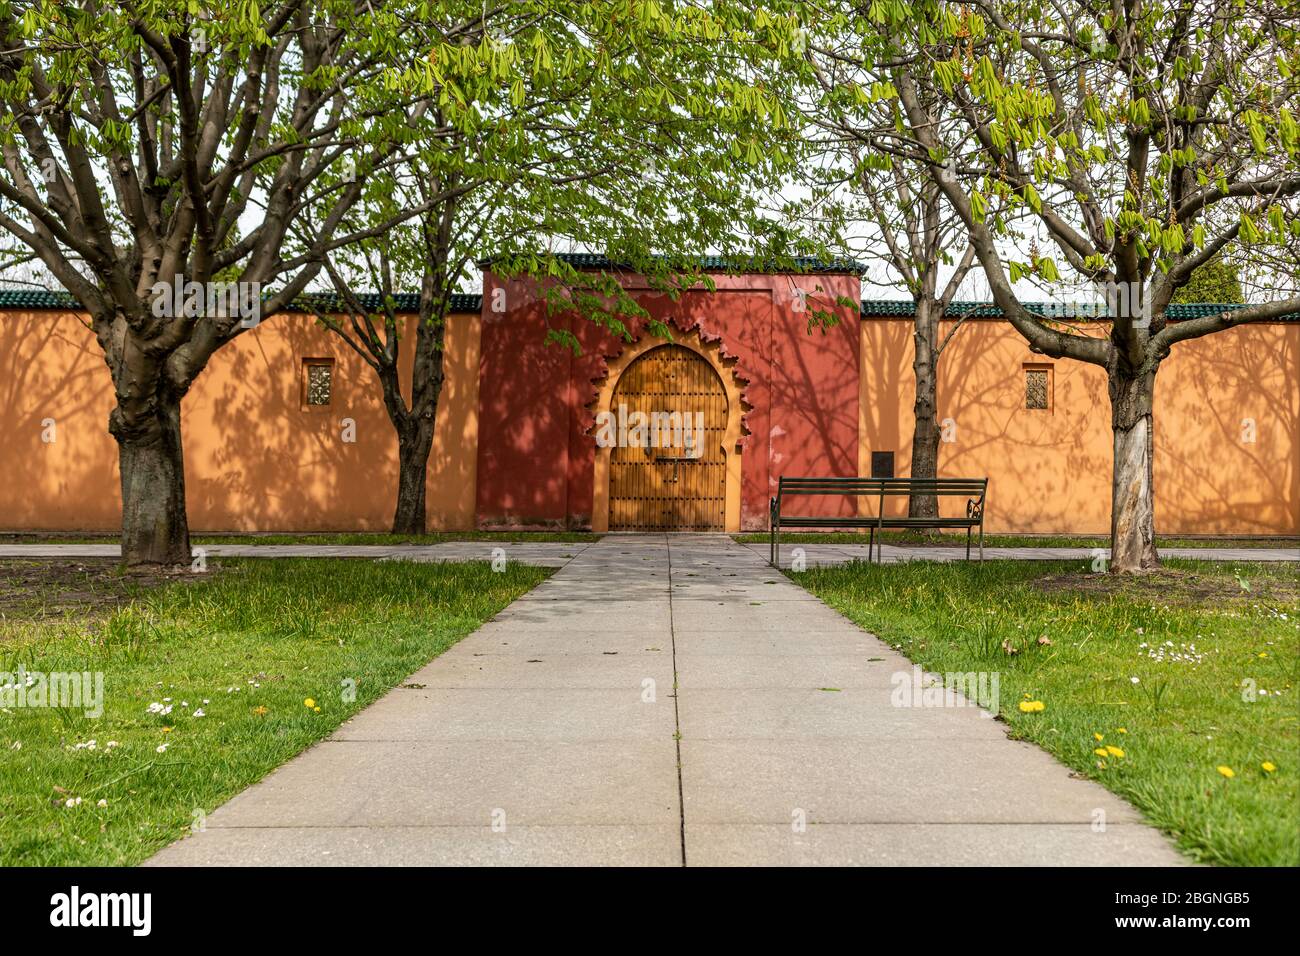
pixel 668 467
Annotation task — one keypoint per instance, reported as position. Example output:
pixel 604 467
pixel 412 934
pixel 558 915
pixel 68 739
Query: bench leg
pixel 981 539
pixel 871 545
pixel 774 555
pixel 968 531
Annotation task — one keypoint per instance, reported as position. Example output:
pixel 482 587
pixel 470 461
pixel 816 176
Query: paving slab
pixel 585 845
pixel 860 780
pixel 345 783
pixel 963 844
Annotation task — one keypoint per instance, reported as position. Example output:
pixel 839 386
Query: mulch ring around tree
pixel 1175 586
pixel 39 589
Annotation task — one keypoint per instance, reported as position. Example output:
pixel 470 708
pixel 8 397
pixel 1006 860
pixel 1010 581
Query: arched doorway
pixel 668 463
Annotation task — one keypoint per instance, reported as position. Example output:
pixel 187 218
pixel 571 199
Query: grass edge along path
pixel 1204 742
pixel 211 685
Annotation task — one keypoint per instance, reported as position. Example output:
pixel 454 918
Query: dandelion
pixel 1121 730
pixel 309 703
pixel 1100 751
pixel 261 711
pixel 1268 766
pixel 317 709
pixel 1226 771
pixel 1114 751
pixel 1032 706
pixel 1098 737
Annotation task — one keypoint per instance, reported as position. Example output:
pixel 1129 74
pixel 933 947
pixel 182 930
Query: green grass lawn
pixel 1117 662
pixel 233 655
pixel 948 539
pixel 326 538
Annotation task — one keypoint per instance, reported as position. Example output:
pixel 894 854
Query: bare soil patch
pixel 33 589
pixel 1172 586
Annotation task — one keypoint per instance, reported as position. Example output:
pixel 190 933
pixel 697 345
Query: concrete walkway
pixel 831 554
pixel 557 554
pixel 669 701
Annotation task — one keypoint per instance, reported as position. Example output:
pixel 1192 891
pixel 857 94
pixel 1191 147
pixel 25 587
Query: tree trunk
pixel 155 530
pixel 1132 512
pixel 925 431
pixel 413 446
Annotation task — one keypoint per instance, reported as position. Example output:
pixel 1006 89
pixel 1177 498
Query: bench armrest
pixel 975 508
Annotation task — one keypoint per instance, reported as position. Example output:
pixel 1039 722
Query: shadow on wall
pixel 1228 434
pixel 525 409
pixel 58 463
pixel 1050 469
pixel 257 458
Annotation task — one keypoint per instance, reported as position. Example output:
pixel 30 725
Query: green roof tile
pixel 1178 311
pixel 406 301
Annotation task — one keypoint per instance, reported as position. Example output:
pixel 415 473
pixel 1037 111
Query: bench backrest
pixel 882 486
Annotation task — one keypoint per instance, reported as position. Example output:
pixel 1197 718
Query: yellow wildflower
pixel 1226 771
pixel 309 703
pixel 1098 737
pixel 1100 751
pixel 1114 751
pixel 1268 766
pixel 1121 730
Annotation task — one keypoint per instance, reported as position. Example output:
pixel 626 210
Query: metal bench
pixel 974 489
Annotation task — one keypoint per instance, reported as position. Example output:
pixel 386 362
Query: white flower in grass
pixel 157 708
pixel 200 713
pixel 1136 680
pixel 160 749
pixel 72 802
pixel 102 803
pixel 111 744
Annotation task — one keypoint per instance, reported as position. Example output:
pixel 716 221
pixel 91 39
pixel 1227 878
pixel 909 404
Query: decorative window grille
pixel 318 381
pixel 1037 384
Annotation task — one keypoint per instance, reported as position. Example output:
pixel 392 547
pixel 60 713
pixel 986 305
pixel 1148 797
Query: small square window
pixel 882 464
pixel 1038 388
pixel 317 381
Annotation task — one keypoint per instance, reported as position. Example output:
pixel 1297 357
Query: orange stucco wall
pixel 255 457
pixel 1049 470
